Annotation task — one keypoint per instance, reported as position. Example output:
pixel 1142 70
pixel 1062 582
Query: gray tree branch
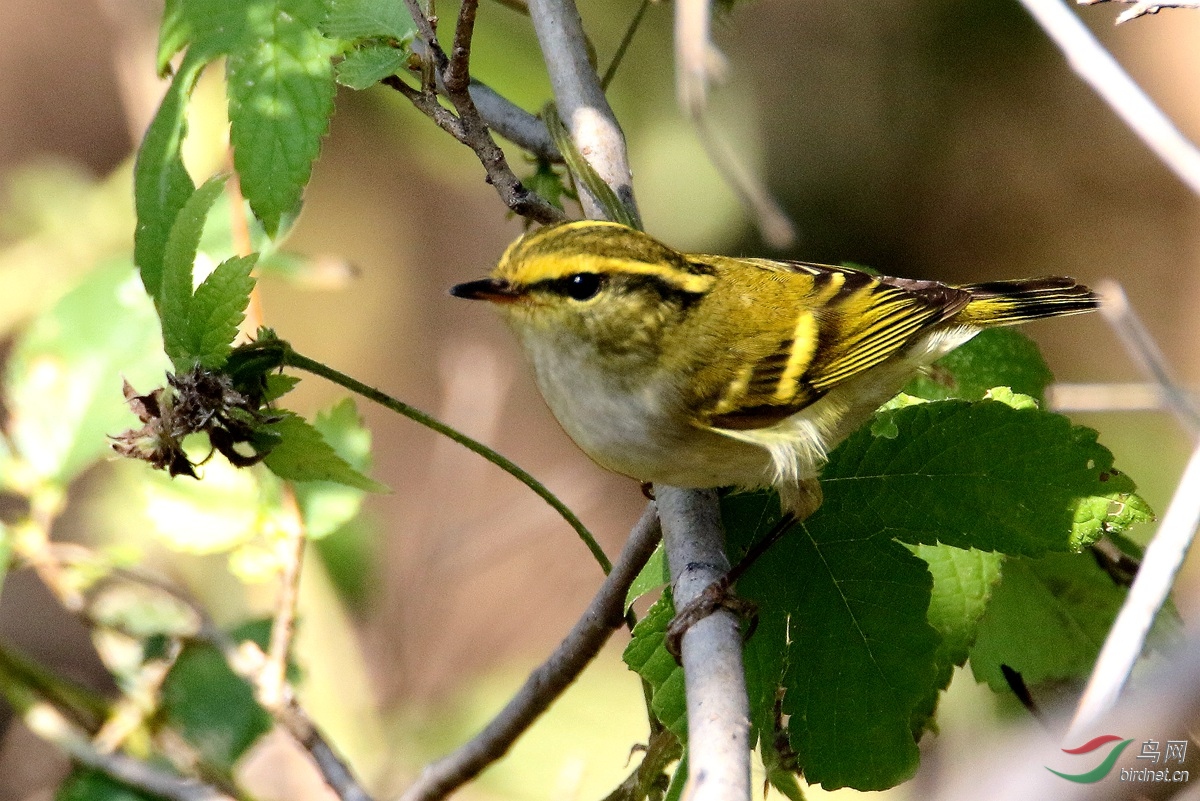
pixel 604 615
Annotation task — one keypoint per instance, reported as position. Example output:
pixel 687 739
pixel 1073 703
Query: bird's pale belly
pixel 630 431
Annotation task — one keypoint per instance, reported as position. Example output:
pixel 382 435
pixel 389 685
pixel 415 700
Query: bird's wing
pixel 825 326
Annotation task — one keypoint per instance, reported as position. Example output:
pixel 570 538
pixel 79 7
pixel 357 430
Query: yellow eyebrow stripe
pixel 696 283
pixel 804 345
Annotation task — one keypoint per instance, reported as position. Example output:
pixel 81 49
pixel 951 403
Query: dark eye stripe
pixel 577 286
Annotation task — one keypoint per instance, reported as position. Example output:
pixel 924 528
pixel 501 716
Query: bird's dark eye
pixel 582 286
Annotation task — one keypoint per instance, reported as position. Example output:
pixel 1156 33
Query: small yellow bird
pixel 706 371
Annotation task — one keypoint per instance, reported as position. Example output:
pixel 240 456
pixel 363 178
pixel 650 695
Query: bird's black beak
pixel 497 290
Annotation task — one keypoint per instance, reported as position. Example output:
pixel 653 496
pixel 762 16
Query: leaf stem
pixel 293 359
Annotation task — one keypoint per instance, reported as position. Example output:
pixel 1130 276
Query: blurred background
pixel 939 139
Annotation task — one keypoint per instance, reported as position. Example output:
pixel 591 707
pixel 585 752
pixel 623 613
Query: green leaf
pixel 980 475
pixel 654 574
pixel 368 19
pixel 848 607
pixel 279 385
pixel 996 357
pixel 175 294
pixel 859 650
pixel 304 455
pixel 647 656
pixel 1047 620
pixel 212 707
pixel 280 86
pixel 63 380
pixel 85 784
pixel 216 311
pixel 367 66
pixel 173 34
pixel 161 184
pixel 548 183
pixel 962 586
pixel 328 505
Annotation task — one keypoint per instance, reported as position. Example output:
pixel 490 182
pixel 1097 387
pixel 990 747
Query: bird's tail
pixel 1011 302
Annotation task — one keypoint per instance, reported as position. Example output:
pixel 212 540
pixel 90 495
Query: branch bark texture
pixel 718 709
pixel 581 102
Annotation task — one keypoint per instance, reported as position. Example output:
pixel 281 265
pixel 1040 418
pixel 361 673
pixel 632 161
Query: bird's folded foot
pixel 718 595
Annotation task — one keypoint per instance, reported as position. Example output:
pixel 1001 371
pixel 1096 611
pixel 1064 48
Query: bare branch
pixel 1146 354
pixel 1170 545
pixel 296 722
pixel 580 100
pixel 1130 396
pixel 272 678
pixel 502 115
pixel 469 126
pixel 603 616
pixel 51 725
pixel 698 63
pixel 1101 71
pixel 1127 637
pixel 1143 7
pixel 718 708
pixel 513 122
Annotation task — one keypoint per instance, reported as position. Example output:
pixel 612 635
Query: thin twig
pixel 294 359
pixel 1145 353
pixel 468 127
pixel 698 62
pixel 499 113
pixel 718 707
pixel 52 726
pixel 580 100
pixel 296 722
pixel 272 679
pixel 1130 396
pixel 1126 639
pixel 1143 7
pixel 603 616
pixel 1101 71
pixel 623 47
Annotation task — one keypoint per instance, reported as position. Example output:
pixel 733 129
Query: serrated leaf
pixel 327 505
pixel 278 385
pixel 216 310
pixel 367 66
pixel 211 706
pixel 860 649
pixel 1047 620
pixel 647 656
pixel 996 357
pixel 962 586
pixel 861 664
pixel 63 380
pixel 303 455
pixel 368 19
pixel 161 183
pixel 280 86
pixel 85 784
pixel 654 574
pixel 979 475
pixel 179 256
pixel 173 34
